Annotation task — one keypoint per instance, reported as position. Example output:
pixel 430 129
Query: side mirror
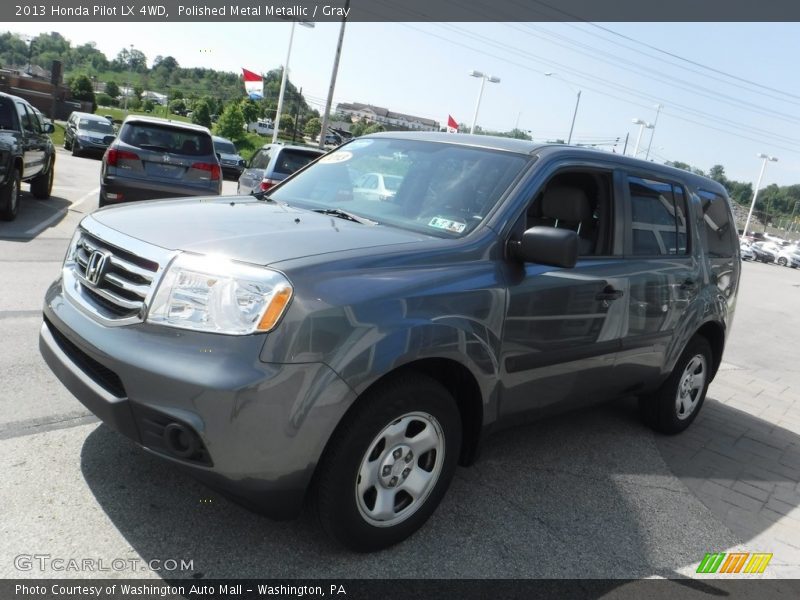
pixel 48 127
pixel 547 246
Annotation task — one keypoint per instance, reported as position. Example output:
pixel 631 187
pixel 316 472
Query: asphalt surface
pixel 588 494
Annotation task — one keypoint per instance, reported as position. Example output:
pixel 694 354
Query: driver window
pixel 580 201
pixel 25 118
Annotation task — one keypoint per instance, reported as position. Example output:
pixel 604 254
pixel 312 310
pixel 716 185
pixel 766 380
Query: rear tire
pixel 389 463
pixel 9 197
pixel 42 184
pixel 679 399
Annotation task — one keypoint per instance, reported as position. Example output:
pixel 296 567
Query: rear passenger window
pixel 658 218
pixel 719 231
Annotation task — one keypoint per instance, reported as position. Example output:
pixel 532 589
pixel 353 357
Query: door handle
pixel 608 294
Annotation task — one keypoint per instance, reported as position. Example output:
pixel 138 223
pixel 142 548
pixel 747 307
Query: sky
pixel 728 90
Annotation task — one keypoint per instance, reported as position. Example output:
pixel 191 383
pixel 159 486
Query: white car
pixel 376 186
pixel 747 252
pixel 789 256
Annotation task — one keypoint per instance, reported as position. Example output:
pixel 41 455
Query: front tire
pixel 782 261
pixel 389 463
pixel 679 399
pixel 42 184
pixel 9 197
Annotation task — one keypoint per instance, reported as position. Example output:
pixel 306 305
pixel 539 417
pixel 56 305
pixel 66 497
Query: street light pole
pixel 574 114
pixel 484 79
pixel 766 158
pixel 577 102
pixel 130 82
pixel 642 125
pixel 326 117
pixel 276 124
pixel 653 132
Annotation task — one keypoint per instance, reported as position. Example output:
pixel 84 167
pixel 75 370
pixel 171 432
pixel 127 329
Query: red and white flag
pixel 452 125
pixel 253 84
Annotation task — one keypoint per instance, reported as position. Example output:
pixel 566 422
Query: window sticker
pixel 447 225
pixel 336 157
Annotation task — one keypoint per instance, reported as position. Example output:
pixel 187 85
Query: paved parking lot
pixel 590 494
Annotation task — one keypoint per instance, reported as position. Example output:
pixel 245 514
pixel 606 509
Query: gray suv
pixel 316 343
pixel 158 158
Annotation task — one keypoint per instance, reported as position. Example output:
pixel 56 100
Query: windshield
pixel 444 190
pixel 224 147
pixel 98 126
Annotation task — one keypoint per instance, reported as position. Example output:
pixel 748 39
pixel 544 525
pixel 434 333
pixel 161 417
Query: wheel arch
pixel 714 333
pixel 458 380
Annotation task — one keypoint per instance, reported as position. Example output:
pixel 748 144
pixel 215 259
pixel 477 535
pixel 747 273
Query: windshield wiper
pixel 261 195
pixel 343 214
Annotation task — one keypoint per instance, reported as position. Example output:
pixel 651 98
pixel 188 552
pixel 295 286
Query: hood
pixel 245 229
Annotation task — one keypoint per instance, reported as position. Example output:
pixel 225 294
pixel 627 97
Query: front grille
pixel 116 281
pixel 100 374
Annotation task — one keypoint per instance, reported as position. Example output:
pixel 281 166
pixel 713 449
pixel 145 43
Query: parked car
pixel 789 256
pixel 273 163
pixel 746 251
pixel 157 158
pixel 765 252
pixel 306 343
pixel 376 186
pixel 26 154
pixel 86 133
pixel 230 160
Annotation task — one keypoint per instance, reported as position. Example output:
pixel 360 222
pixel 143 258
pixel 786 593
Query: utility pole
pixel 625 147
pixel 653 131
pixel 296 115
pixel 324 130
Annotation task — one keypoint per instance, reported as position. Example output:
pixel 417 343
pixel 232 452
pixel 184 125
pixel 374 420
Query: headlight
pixel 69 257
pixel 84 138
pixel 219 296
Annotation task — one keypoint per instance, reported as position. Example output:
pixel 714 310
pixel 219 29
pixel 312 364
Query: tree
pixel 250 110
pixel 717 173
pixel 374 128
pixel 201 114
pixel 81 88
pixel 112 89
pixel 147 105
pixel 231 122
pixel 313 127
pixel 177 107
pixel 287 123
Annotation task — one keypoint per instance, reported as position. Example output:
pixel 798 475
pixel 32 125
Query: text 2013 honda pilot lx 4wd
pixel 314 343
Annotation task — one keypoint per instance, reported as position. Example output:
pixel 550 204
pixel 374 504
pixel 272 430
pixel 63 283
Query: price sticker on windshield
pixel 336 157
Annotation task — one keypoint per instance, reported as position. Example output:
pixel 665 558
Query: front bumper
pixel 262 427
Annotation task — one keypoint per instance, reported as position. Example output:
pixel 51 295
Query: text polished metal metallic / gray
pixel 112 285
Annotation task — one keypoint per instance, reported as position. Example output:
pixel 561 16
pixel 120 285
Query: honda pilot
pixel 313 343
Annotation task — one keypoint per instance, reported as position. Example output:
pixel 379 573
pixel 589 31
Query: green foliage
pixel 201 114
pixel 231 123
pixel 313 127
pixel 105 100
pixel 112 89
pixel 147 106
pixel 250 110
pixel 287 123
pixel 374 128
pixel 177 106
pixel 81 89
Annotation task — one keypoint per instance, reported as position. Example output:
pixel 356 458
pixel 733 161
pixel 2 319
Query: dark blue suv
pixel 311 341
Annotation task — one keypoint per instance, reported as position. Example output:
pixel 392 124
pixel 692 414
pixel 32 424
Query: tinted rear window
pixel 174 140
pixel 290 161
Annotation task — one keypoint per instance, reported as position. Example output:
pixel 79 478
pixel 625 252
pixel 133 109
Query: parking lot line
pixel 39 227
